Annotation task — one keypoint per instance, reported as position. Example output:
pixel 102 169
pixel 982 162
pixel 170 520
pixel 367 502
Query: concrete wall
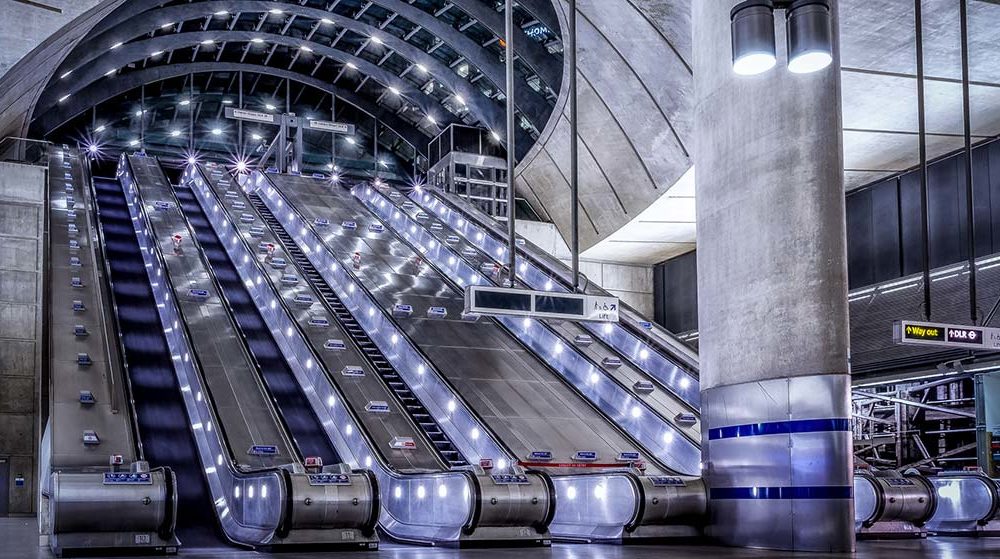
pixel 22 230
pixel 24 26
pixel 629 282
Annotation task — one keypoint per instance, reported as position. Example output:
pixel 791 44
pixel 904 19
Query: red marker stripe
pixel 572 465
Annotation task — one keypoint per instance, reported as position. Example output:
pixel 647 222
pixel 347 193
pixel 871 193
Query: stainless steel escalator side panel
pixel 70 414
pixel 662 441
pixel 244 521
pixel 967 503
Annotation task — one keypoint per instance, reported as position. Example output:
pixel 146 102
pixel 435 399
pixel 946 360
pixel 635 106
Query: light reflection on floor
pixel 19 539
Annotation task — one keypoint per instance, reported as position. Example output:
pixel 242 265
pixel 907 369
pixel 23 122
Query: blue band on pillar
pixel 816 492
pixel 780 428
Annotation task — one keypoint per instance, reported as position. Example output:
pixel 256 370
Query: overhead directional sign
pixel 335 127
pixel 255 116
pixel 909 332
pixel 488 300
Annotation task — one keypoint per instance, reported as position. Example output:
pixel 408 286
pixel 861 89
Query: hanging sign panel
pixel 908 332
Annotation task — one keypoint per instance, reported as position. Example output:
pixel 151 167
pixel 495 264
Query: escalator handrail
pixel 484 428
pixel 447 280
pixel 374 448
pixel 665 340
pixel 197 367
pixel 248 355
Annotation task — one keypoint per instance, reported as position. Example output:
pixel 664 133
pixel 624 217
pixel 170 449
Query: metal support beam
pixel 511 146
pixel 574 149
pixel 969 191
pixel 911 403
pixel 922 148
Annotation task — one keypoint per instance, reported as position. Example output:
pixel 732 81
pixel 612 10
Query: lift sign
pixel 946 335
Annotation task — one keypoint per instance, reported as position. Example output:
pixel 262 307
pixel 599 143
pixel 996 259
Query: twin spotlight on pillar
pixel 808 32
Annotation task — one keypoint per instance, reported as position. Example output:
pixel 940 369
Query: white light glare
pixel 754 63
pixel 811 61
pixel 376 40
pixel 256 40
pixel 351 66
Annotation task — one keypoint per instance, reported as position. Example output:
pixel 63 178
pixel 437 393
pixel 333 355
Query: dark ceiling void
pixel 415 66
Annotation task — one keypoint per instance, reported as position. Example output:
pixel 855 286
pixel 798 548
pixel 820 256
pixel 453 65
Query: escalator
pixel 644 344
pixel 410 402
pixel 544 418
pixel 302 423
pixel 483 255
pixel 423 502
pixel 160 412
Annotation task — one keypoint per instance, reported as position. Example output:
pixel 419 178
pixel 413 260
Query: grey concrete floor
pixel 19 539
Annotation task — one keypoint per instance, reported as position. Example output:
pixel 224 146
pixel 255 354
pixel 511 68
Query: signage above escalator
pixel 908 332
pixel 490 300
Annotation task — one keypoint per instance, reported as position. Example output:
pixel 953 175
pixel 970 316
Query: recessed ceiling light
pixel 326 21
pixel 305 48
pixel 66 75
pixel 257 40
pixel 393 90
pixel 351 141
pixel 221 13
pixel 422 68
pixel 275 11
pixel 216 131
pixel 116 45
pixel 208 42
pixel 63 98
pixel 376 40
pixel 99 128
pixel 109 72
pixel 352 66
pixel 270 107
pixel 175 133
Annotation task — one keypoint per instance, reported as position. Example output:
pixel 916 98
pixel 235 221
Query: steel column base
pixel 777 461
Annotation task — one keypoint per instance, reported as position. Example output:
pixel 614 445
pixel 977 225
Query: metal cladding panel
pixel 777 457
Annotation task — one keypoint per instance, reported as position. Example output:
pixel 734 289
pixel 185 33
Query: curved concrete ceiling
pixel 638 202
pixel 448 48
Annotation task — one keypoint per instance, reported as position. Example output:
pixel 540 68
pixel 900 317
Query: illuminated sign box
pixel 909 332
pixel 490 300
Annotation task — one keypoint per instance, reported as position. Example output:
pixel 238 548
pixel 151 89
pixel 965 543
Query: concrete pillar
pixel 772 296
